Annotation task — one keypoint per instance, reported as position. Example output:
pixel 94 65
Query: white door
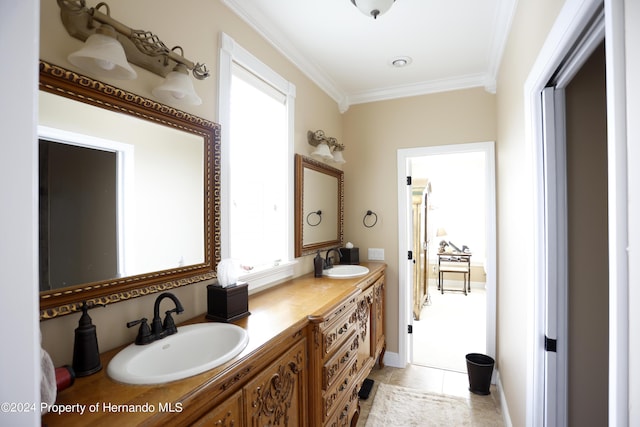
pixel 555 282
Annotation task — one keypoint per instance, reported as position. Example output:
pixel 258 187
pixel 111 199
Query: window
pixel 256 114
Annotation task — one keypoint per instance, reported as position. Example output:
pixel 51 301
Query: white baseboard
pixel 503 403
pixel 392 359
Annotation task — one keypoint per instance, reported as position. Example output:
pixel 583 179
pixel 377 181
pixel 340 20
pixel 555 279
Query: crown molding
pixel 422 88
pixel 256 20
pixel 502 22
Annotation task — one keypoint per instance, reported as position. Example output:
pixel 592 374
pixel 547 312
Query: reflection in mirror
pixel 112 162
pixel 319 188
pixel 129 194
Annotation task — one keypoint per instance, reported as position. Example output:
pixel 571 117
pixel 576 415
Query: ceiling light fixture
pixel 401 61
pixel 373 7
pixel 123 45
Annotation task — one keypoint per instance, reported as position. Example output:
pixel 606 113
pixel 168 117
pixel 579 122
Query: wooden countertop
pixel 276 314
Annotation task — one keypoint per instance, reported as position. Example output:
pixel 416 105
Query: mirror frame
pixel 302 162
pixel 63 82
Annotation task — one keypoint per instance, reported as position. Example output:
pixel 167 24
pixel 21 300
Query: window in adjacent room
pixel 256 114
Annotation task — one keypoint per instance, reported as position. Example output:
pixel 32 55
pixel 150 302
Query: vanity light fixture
pixel 373 7
pixel 103 55
pixel 327 148
pixel 139 47
pixel 177 87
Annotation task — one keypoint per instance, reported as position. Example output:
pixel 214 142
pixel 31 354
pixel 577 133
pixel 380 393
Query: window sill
pixel 270 276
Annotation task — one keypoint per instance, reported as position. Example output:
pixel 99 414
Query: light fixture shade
pixel 103 56
pixel 177 87
pixel 373 7
pixel 322 152
pixel 337 157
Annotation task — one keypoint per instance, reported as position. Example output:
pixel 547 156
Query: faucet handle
pixel 169 326
pixel 144 333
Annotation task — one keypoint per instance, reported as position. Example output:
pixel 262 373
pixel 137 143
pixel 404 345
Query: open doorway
pixel 450 223
pixel 448 199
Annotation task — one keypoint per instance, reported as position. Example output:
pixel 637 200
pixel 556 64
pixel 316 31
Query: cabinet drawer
pixel 345 410
pixel 341 390
pixel 333 367
pixel 336 333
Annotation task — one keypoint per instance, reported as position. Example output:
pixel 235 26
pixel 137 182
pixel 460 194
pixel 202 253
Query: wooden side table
pixel 455 262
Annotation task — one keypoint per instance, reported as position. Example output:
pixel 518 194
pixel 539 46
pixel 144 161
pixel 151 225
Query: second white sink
pixel 345 271
pixel 192 350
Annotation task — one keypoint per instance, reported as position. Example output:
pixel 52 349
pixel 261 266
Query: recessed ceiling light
pixel 401 61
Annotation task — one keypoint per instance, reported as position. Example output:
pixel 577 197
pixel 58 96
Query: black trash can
pixel 479 370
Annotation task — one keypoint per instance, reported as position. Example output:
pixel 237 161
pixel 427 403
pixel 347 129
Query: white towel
pixel 48 386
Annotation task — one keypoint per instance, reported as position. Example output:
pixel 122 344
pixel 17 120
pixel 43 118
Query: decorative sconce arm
pixel 142 48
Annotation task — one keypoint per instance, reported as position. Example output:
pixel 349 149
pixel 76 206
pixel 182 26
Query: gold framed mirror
pixel 170 236
pixel 319 206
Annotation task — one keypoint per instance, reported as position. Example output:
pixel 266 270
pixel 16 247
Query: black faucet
pixel 328 261
pixel 158 329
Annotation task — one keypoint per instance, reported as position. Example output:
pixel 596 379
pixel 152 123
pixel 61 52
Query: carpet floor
pixel 451 326
pixel 405 407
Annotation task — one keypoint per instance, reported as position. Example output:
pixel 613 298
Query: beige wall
pixel 373 133
pixel 195 25
pixel 531 24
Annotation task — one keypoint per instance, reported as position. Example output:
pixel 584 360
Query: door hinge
pixel 550 344
pixel 410 255
pixel 408 180
pixel 410 329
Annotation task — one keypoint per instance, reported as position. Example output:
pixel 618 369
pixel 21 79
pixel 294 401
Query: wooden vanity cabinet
pixel 333 362
pixel 276 396
pixel 228 414
pixel 302 367
pixel 377 321
pixel 344 344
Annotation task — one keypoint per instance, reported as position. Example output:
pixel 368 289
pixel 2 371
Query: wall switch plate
pixel 376 254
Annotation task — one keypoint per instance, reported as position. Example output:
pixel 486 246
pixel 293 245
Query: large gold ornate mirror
pixel 319 206
pixel 129 194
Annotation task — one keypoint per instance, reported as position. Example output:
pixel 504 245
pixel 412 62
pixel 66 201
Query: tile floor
pixel 430 380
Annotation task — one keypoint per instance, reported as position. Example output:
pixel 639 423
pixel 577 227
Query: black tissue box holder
pixel 350 256
pixel 227 304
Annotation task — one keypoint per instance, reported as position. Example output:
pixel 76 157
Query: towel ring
pixel 375 221
pixel 319 213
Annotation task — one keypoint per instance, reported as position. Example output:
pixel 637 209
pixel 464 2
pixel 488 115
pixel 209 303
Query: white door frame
pixel 404 292
pixel 125 194
pixel 572 20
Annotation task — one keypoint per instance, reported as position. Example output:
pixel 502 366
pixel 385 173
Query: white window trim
pixel 231 52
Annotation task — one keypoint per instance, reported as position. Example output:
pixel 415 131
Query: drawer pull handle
pixel 344 329
pixel 344 385
pixel 345 412
pixel 345 357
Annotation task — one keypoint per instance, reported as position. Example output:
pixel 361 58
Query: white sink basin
pixel 192 350
pixel 345 271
